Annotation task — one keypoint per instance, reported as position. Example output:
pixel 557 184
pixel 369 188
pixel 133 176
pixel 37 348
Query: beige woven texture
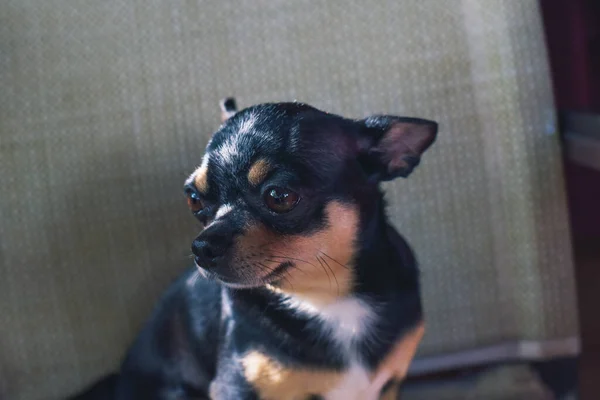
pixel 105 107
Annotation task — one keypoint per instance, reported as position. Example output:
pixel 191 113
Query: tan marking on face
pixel 395 364
pixel 275 381
pixel 201 179
pixel 258 172
pixel 323 270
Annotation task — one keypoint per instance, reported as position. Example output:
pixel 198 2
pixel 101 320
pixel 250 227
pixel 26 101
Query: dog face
pixel 284 189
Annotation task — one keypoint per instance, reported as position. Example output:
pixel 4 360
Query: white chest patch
pixel 354 385
pixel 347 321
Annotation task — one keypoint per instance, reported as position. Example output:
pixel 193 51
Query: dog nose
pixel 207 253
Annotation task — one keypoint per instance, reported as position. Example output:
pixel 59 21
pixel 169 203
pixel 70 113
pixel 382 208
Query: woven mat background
pixel 105 107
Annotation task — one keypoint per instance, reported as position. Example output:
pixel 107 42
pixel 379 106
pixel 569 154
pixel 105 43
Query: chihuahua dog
pixel 301 289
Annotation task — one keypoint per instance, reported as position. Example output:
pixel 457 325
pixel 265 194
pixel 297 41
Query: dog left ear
pixel 228 108
pixel 392 146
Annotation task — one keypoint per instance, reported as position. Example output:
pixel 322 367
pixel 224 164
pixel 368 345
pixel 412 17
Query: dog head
pixel 284 189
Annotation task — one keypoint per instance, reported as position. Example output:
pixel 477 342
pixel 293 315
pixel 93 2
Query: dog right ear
pixel 228 108
pixel 392 146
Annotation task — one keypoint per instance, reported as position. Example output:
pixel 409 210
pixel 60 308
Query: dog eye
pixel 193 200
pixel 281 200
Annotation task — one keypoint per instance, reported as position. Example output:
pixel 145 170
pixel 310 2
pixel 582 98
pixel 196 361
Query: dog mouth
pixel 275 275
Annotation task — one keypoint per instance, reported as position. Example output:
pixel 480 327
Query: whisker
pixel 327 273
pixel 293 259
pixel 294 266
pixel 334 260
pixel 288 280
pixel 333 273
pixel 265 267
pixel 281 274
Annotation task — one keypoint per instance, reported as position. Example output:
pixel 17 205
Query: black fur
pixel 200 326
